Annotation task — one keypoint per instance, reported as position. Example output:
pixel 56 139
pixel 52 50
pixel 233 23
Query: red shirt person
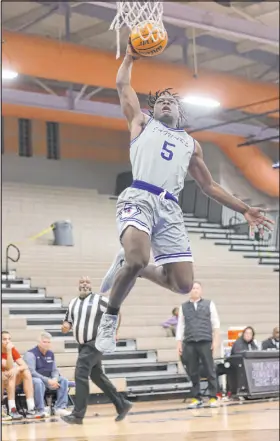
pixel 14 372
pixel 15 356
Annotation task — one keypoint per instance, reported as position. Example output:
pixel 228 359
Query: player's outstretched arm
pixel 129 101
pixel 203 178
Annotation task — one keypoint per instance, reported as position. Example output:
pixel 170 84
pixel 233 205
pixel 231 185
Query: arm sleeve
pixel 16 355
pixel 181 326
pixel 55 371
pixel 68 315
pixel 29 359
pixel 215 321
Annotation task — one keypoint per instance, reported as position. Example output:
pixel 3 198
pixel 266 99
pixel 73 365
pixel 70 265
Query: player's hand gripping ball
pixel 151 46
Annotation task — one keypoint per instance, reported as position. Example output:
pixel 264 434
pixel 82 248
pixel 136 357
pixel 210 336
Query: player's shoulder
pixel 197 148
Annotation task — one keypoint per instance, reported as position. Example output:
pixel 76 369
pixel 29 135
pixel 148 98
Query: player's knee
pixel 136 264
pixel 184 286
pixel 26 374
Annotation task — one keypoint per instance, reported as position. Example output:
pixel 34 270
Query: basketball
pixel 148 41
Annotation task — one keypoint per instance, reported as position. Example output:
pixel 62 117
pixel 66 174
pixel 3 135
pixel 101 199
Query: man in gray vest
pixel 198 339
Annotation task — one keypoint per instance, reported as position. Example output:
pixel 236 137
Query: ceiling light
pixel 201 101
pixel 8 74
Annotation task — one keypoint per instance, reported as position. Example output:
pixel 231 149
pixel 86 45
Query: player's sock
pixel 30 403
pixel 112 311
pixel 11 405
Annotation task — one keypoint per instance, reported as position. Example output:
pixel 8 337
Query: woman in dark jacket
pixel 245 342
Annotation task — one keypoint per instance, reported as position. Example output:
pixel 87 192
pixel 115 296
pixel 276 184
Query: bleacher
pixel 36 294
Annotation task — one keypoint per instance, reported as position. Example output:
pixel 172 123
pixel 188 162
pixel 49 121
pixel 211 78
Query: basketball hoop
pixel 136 15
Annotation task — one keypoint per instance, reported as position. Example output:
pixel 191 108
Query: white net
pixel 136 15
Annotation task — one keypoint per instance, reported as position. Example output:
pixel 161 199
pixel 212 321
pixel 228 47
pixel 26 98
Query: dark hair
pixel 152 99
pixel 252 329
pixel 174 309
pixel 5 332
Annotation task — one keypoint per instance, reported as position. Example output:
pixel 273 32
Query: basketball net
pixel 136 15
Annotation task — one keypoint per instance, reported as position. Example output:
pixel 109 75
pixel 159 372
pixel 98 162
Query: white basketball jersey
pixel 161 155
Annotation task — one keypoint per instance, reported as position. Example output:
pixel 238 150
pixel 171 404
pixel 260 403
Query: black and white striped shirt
pixel 85 315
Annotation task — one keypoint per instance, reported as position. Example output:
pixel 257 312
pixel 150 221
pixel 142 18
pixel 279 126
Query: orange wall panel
pixel 10 134
pixel 78 142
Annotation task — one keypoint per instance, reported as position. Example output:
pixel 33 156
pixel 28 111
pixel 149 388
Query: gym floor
pixel 165 421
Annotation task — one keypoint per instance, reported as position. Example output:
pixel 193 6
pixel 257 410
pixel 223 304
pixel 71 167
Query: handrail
pixel 11 245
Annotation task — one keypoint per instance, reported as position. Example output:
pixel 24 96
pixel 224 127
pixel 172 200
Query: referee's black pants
pixel 89 365
pixel 193 354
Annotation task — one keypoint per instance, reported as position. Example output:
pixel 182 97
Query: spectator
pixel 245 342
pixel 171 324
pixel 272 343
pixel 15 372
pixel 198 339
pixel 45 375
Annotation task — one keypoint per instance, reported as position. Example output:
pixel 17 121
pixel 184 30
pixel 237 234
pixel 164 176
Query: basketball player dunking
pixel 148 213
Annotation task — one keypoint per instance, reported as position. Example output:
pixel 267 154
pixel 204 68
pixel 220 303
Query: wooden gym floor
pixel 159 421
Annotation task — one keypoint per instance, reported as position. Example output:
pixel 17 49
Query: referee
pixel 83 316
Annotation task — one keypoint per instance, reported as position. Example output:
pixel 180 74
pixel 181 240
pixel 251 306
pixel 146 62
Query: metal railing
pixel 9 257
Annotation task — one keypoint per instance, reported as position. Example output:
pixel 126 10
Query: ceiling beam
pixel 89 32
pixel 25 21
pixel 106 12
pixel 184 15
pixel 230 48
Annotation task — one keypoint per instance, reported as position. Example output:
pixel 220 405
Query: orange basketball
pixel 148 47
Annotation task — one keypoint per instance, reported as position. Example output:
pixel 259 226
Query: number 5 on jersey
pixel 166 153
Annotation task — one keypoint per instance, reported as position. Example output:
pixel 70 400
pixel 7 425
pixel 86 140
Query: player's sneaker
pixel 213 403
pixel 15 415
pixel 62 412
pixel 34 414
pixel 106 334
pixel 5 416
pixel 109 278
pixel 195 404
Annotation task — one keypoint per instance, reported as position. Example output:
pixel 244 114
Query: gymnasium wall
pixel 76 173
pixel 75 142
pixel 93 157
pixel 90 158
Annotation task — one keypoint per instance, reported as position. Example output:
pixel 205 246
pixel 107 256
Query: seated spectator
pixel 272 343
pixel 245 342
pixel 45 375
pixel 171 324
pixel 14 373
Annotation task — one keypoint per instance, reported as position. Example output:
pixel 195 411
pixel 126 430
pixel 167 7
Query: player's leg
pixel 173 267
pixel 10 387
pixel 135 225
pixel 176 276
pixel 136 246
pixel 25 378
